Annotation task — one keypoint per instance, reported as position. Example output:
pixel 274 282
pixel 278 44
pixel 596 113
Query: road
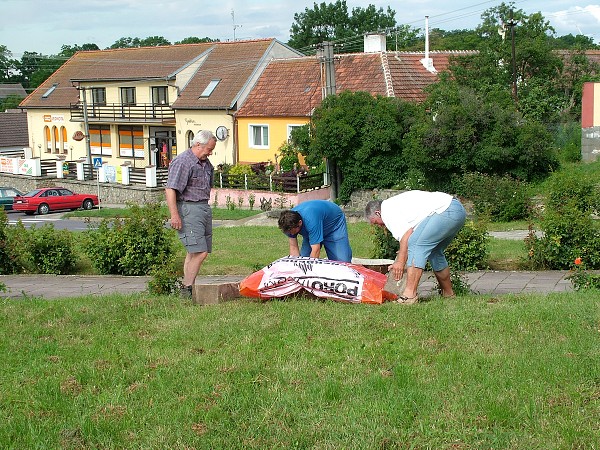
pixel 54 218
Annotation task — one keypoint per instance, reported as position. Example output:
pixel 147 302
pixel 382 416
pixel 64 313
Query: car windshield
pixel 32 193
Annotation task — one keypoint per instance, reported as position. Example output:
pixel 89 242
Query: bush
pixel 130 246
pixel 581 278
pixel 289 157
pixel 51 250
pixel 165 277
pixel 569 229
pixel 501 199
pixel 37 250
pixel 385 246
pixel 568 140
pixel 11 246
pixel 469 249
pixel 236 176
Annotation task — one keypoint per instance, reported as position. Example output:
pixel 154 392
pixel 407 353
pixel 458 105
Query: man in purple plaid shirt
pixel 187 193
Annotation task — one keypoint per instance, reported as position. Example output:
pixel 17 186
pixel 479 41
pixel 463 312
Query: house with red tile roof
pixel 142 106
pixel 288 90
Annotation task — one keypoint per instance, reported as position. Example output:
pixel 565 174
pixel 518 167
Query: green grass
pixel 514 372
pixel 245 249
pixel 508 226
pixel 506 254
pixel 108 213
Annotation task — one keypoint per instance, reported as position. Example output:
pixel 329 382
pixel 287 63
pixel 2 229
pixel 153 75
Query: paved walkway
pixel 61 286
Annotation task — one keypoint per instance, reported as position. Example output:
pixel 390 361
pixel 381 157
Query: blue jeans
pixel 338 250
pixel 429 240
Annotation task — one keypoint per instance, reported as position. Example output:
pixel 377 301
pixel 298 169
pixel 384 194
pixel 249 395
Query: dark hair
pixel 288 219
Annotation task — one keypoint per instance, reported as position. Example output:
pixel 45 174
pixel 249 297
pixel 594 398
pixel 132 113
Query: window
pixel 210 88
pixel 160 95
pixel 100 140
pixel 128 96
pixel 50 90
pixel 131 142
pixel 99 96
pixel 63 139
pixel 47 139
pixel 189 137
pixel 259 136
pixel 56 139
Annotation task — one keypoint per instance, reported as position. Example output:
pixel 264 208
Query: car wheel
pixel 88 204
pixel 43 209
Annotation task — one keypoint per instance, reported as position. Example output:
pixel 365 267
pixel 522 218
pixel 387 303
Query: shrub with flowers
pixel 581 278
pixel 568 224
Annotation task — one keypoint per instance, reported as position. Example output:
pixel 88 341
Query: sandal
pixel 407 300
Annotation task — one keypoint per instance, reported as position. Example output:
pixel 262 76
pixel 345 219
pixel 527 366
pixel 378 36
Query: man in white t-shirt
pixel 424 223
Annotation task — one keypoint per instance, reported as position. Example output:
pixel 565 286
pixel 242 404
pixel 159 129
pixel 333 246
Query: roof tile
pixel 292 87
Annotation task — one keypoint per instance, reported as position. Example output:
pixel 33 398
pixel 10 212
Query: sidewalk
pixel 62 286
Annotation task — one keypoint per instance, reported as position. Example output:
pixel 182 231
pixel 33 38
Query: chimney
pixel 375 42
pixel 427 61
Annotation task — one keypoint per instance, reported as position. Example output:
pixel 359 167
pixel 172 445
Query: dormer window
pixel 50 90
pixel 210 88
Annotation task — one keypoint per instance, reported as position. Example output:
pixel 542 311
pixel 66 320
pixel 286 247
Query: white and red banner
pixel 322 277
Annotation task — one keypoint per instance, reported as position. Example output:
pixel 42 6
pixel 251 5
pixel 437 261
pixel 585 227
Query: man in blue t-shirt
pixel 319 222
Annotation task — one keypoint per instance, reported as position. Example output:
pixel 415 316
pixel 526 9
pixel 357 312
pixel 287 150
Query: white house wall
pixel 194 121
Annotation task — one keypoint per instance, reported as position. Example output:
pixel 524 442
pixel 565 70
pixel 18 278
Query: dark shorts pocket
pixel 188 239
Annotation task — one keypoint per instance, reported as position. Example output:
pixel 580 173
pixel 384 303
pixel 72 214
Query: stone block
pixel 213 294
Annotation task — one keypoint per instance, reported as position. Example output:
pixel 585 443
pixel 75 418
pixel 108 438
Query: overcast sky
pixel 43 26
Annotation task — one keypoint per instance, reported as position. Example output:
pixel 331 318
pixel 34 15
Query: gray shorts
pixel 196 229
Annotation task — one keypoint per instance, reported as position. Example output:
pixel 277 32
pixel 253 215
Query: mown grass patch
pixel 515 372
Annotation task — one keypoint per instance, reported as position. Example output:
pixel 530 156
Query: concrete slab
pixel 214 293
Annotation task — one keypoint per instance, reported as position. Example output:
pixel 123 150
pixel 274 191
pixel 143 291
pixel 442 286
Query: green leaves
pixel 130 246
pixel 331 22
pixel 362 134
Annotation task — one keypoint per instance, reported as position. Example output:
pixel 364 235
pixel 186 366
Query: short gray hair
pixel 203 137
pixel 372 207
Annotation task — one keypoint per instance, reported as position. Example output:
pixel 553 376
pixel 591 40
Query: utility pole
pixel 328 67
pixel 86 128
pixel 512 24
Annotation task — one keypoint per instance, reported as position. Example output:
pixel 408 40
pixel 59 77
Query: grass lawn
pixel 512 372
pixel 143 371
pixel 243 250
pixel 108 213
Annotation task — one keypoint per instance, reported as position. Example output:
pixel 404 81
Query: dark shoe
pixel 185 292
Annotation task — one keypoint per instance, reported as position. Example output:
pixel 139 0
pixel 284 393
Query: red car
pixel 45 200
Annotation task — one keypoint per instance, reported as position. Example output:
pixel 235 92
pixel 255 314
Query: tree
pixel 546 83
pixel 579 42
pixel 455 40
pixel 362 135
pixel 10 102
pixel 196 40
pixel 8 66
pixel 67 51
pixel 468 131
pixel 331 22
pixel 151 41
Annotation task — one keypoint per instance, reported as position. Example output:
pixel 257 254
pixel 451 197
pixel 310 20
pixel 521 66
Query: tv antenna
pixel 234 25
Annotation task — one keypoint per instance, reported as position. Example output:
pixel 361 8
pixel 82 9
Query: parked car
pixel 7 194
pixel 45 200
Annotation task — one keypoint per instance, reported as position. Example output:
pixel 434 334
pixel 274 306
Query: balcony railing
pixel 116 112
